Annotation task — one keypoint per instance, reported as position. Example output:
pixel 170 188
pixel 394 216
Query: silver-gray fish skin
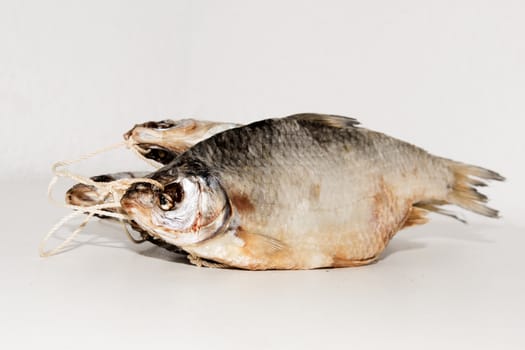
pixel 306 191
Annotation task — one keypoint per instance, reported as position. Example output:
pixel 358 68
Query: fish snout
pixel 139 195
pixel 83 195
pixel 139 129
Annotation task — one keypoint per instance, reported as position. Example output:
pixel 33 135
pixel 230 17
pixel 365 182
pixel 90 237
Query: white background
pixel 448 76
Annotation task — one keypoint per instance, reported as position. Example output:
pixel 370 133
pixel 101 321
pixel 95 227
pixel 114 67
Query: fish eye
pixel 165 202
pixel 175 191
pixel 173 194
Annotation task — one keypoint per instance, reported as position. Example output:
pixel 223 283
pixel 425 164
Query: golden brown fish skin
pixel 312 191
pixel 174 136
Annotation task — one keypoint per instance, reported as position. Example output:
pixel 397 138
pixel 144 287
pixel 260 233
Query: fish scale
pixel 301 192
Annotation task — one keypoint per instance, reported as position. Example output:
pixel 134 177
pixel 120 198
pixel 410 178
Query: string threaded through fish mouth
pixel 112 191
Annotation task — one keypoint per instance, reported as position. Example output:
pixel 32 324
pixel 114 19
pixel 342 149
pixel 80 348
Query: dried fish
pixel 301 192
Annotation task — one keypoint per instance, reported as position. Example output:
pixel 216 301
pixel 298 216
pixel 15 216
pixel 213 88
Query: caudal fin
pixel 464 191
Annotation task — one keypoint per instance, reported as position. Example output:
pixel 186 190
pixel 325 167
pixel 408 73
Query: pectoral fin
pixel 244 250
pixel 260 245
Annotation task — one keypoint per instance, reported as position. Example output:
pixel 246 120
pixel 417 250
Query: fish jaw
pixel 138 203
pixel 83 196
pixel 201 214
pixel 147 131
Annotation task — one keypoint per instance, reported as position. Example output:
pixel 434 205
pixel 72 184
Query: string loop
pixel 112 192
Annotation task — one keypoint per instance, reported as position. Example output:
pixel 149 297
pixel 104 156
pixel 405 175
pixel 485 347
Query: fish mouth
pixel 138 202
pixel 157 153
pixel 83 196
pixel 160 125
pixel 140 194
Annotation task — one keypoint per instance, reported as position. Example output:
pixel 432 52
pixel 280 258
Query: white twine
pixel 59 224
pixel 114 190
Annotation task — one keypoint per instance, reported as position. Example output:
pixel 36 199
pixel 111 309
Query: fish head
pixel 176 136
pixel 188 210
pixel 172 136
pixel 83 195
pixel 151 131
pixel 87 195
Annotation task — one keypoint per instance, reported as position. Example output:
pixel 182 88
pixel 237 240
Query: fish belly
pixel 319 224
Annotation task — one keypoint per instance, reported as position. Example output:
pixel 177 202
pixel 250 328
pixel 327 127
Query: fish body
pixel 301 192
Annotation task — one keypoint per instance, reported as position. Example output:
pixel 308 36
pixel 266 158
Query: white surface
pixel 447 76
pixel 442 285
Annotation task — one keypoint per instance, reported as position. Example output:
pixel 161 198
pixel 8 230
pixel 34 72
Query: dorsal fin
pixel 336 121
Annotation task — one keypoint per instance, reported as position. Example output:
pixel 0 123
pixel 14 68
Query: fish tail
pixel 463 191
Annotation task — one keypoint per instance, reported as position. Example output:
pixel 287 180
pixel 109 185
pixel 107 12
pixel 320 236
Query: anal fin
pixel 435 206
pixel 415 216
